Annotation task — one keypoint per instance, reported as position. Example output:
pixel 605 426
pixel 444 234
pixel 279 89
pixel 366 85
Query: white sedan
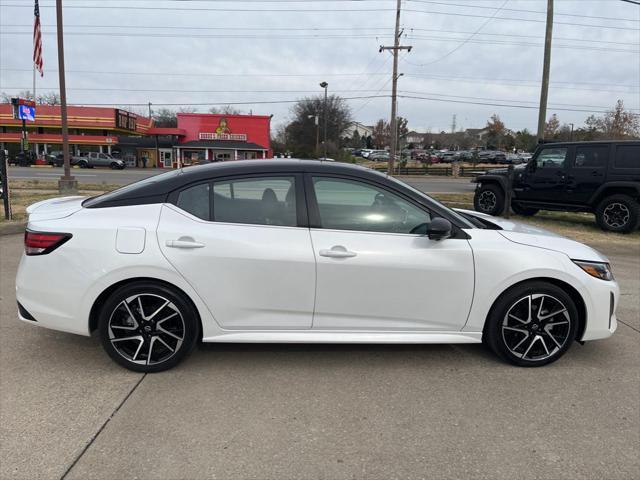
pixel 302 251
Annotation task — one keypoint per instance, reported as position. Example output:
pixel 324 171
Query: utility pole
pixel 149 110
pixel 324 114
pixel 394 86
pixel 544 91
pixel 66 183
pixel 453 124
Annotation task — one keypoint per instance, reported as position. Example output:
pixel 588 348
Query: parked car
pixel 54 158
pixel 96 159
pixel 294 254
pixel 379 156
pixel 598 177
pixel 24 159
pixel 447 157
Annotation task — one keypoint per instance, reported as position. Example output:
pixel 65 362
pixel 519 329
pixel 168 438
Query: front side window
pixel 352 205
pixel 258 200
pixel 591 157
pixel 551 158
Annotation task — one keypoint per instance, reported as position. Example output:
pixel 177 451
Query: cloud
pixel 207 56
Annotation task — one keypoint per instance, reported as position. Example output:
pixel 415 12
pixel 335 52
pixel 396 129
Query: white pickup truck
pixel 96 159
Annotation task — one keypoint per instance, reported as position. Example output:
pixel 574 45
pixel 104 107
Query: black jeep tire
pixel 618 213
pixel 489 199
pixel 523 211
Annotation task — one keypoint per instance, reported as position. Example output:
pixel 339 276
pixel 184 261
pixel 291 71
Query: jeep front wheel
pixel 523 211
pixel 618 213
pixel 489 199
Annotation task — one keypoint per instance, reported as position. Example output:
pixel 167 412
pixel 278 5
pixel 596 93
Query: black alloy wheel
pixel 489 199
pixel 618 213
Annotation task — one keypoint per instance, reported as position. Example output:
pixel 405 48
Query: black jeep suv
pixel 599 177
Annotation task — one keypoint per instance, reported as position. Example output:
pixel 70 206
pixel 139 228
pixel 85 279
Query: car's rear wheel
pixel 523 211
pixel 489 199
pixel 532 324
pixel 618 213
pixel 148 327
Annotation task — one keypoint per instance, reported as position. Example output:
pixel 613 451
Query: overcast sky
pixel 466 54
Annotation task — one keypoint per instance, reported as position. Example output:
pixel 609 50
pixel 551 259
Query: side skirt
pixel 309 336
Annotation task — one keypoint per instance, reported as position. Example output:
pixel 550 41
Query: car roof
pixel 156 188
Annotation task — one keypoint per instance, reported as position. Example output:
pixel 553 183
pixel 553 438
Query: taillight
pixel 36 243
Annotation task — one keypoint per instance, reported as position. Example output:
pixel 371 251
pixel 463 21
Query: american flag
pixel 37 40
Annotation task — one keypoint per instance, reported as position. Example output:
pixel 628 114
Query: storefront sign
pixel 223 136
pixel 24 109
pixel 126 120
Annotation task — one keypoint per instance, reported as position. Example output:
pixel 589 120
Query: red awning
pixel 166 131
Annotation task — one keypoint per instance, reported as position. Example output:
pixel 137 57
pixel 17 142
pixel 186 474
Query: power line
pixel 466 40
pixel 449 4
pixel 528 107
pixel 305 10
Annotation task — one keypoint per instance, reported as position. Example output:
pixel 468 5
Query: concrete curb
pixel 12 228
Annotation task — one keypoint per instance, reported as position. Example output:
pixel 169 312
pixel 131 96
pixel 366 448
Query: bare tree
pixel 552 127
pixel 225 110
pixel 615 124
pixel 381 134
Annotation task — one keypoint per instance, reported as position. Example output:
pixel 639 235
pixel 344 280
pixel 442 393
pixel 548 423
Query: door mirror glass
pixel 439 229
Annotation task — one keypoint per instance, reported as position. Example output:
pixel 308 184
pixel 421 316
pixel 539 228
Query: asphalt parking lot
pixel 325 412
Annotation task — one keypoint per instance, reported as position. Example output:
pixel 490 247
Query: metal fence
pixel 443 171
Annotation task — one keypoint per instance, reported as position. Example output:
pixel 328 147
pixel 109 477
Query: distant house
pixel 363 130
pixel 477 133
pixel 415 138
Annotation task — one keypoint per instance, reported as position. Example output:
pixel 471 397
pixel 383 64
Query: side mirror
pixel 439 229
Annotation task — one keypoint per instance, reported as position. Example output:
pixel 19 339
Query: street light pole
pixel 66 183
pixel 316 118
pixel 324 114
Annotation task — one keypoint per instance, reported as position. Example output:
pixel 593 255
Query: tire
pixel 114 166
pixel 83 164
pixel 547 337
pixel 151 342
pixel 523 211
pixel 489 199
pixel 618 213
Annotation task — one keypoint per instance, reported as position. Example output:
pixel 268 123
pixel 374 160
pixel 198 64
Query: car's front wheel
pixel 489 199
pixel 148 327
pixel 618 213
pixel 532 324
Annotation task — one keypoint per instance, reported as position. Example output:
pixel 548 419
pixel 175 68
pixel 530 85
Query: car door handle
pixel 184 243
pixel 337 252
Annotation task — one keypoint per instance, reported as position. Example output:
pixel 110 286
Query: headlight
pixel 596 269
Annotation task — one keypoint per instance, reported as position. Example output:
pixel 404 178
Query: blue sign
pixel 25 112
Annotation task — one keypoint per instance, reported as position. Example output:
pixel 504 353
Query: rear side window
pixel 257 201
pixel 196 201
pixel 591 156
pixel 627 156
